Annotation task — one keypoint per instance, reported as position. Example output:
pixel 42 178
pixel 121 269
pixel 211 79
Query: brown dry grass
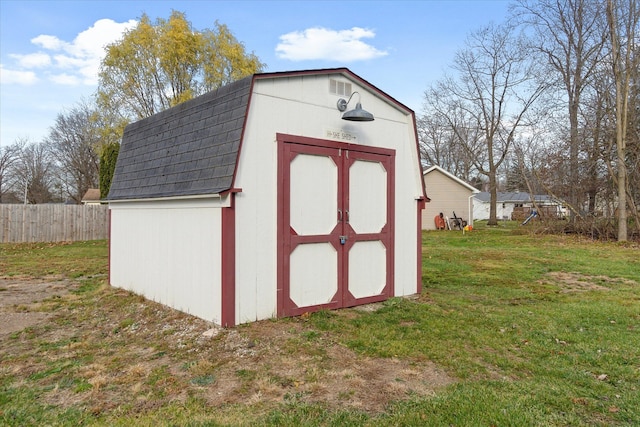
pixel 112 350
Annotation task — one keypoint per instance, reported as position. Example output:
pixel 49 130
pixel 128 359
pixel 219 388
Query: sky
pixel 50 51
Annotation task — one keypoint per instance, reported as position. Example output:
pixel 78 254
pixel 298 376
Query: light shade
pixel 357 114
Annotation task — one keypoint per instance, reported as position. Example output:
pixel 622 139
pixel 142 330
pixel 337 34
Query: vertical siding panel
pixel 169 252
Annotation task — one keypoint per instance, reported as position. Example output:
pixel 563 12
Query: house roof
pixel 513 197
pixel 92 195
pixel 193 148
pixel 450 176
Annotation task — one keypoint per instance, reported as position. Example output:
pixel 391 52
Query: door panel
pixel 367 269
pixel 368 261
pixel 314 194
pixel 367 197
pixel 314 274
pixel 334 215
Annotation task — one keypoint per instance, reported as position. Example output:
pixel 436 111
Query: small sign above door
pixel 340 135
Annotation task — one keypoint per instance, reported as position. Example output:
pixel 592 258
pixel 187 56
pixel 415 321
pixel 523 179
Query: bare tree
pixel 74 141
pixel 9 156
pixel 34 172
pixel 570 39
pixel 487 103
pixel 595 135
pixel 622 19
pixel 440 145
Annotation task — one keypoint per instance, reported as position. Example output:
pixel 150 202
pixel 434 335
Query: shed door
pixel 335 216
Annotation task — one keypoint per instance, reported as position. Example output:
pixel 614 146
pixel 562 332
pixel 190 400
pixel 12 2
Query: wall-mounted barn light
pixel 357 114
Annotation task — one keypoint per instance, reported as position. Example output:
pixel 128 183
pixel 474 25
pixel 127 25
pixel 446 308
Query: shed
pixel 448 194
pixel 257 200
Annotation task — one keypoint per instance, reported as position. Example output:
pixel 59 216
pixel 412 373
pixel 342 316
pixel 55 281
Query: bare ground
pixel 122 351
pixel 17 293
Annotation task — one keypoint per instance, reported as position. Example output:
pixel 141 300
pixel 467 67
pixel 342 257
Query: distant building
pixel 448 194
pixel 516 206
pixel 91 197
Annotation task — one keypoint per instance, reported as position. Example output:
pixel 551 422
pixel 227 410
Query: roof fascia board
pixel 169 198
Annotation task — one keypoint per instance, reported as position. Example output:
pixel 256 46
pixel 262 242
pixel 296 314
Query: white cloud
pixel 17 77
pixel 65 79
pixel 48 42
pixel 325 44
pixel 32 60
pixel 79 59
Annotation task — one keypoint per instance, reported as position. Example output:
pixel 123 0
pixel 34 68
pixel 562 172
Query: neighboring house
pixel 91 197
pixel 270 197
pixel 516 206
pixel 448 194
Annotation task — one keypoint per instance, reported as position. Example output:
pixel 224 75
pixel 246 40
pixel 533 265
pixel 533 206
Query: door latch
pixel 343 240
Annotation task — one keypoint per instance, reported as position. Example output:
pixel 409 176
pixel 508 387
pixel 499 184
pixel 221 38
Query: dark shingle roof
pixel 511 197
pixel 190 149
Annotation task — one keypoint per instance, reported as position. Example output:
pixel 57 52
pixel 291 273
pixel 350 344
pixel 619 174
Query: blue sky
pixel 50 50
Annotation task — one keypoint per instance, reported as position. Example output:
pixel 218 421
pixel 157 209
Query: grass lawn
pixel 528 329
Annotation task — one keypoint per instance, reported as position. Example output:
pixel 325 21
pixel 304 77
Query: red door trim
pixel 286 152
pixel 386 235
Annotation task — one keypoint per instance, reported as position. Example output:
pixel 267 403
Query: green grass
pixel 536 330
pixel 73 260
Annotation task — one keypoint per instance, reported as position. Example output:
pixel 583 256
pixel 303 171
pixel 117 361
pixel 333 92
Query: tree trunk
pixel 493 189
pixel 621 76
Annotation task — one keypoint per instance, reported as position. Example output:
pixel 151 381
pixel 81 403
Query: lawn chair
pixel 457 222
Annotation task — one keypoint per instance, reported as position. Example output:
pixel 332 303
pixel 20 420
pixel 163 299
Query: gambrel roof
pixel 190 149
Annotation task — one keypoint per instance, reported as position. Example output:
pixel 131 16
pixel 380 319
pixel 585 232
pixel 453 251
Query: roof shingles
pixel 190 149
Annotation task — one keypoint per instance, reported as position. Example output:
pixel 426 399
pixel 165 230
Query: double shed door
pixel 335 221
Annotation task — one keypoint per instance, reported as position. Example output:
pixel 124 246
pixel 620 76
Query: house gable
pixel 448 194
pixel 451 177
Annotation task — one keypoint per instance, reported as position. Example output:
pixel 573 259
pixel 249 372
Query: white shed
pixel 260 200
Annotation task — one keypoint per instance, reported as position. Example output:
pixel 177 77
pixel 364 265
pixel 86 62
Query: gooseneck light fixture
pixel 357 114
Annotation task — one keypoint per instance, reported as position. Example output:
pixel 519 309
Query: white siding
pixel 481 210
pixel 169 252
pixel 303 106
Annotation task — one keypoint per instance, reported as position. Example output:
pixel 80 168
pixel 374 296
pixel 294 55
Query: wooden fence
pixel 53 223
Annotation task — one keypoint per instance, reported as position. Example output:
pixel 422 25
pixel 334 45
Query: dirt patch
pixel 120 350
pixel 17 297
pixel 293 363
pixel 576 282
